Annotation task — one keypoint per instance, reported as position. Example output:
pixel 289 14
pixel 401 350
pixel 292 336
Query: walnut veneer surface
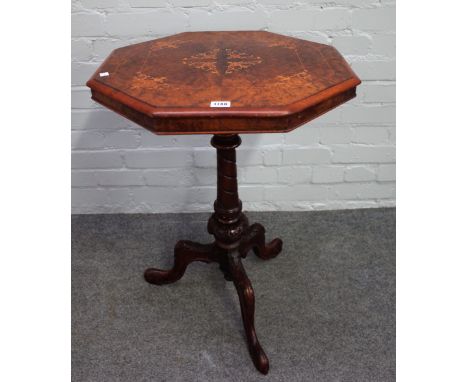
pixel 274 83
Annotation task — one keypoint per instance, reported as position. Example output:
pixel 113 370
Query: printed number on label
pixel 220 104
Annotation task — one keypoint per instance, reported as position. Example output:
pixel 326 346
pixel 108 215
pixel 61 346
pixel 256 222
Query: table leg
pixel 254 238
pixel 234 238
pixel 185 252
pixel 247 304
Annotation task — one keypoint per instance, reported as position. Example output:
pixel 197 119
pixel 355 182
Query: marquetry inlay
pixel 222 61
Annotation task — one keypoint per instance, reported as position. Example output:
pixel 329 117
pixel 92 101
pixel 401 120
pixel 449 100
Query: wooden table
pixel 224 83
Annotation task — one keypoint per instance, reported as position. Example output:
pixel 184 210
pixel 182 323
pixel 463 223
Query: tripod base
pixel 230 264
pixel 234 238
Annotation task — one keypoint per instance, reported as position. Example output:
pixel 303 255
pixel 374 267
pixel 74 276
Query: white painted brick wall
pixel 344 159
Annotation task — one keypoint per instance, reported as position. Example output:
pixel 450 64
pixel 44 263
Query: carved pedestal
pixel 234 238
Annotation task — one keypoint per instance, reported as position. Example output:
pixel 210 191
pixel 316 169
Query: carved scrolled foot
pixel 254 238
pixel 247 304
pixel 185 252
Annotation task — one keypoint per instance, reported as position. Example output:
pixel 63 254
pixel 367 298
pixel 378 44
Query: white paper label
pixel 103 74
pixel 220 104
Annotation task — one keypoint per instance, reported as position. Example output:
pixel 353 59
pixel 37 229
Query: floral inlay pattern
pixel 205 61
pixel 294 79
pixel 165 44
pixel 282 44
pixel 147 82
pixel 237 61
pixel 222 61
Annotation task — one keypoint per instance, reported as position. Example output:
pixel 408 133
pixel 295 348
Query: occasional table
pixel 224 84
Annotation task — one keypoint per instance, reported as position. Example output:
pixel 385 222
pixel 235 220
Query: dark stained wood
pixel 234 238
pixel 247 303
pixel 274 83
pixel 254 238
pixel 185 252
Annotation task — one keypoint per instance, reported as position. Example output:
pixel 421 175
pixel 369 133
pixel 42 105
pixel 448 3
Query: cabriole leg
pixel 185 252
pixel 247 304
pixel 254 238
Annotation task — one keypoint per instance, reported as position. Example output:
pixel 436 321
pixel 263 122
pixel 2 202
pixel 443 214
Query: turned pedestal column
pixel 234 238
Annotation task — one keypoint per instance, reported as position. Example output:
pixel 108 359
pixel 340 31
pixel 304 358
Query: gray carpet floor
pixel 325 307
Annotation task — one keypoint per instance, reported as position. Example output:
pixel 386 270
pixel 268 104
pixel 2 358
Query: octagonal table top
pixel 223 82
